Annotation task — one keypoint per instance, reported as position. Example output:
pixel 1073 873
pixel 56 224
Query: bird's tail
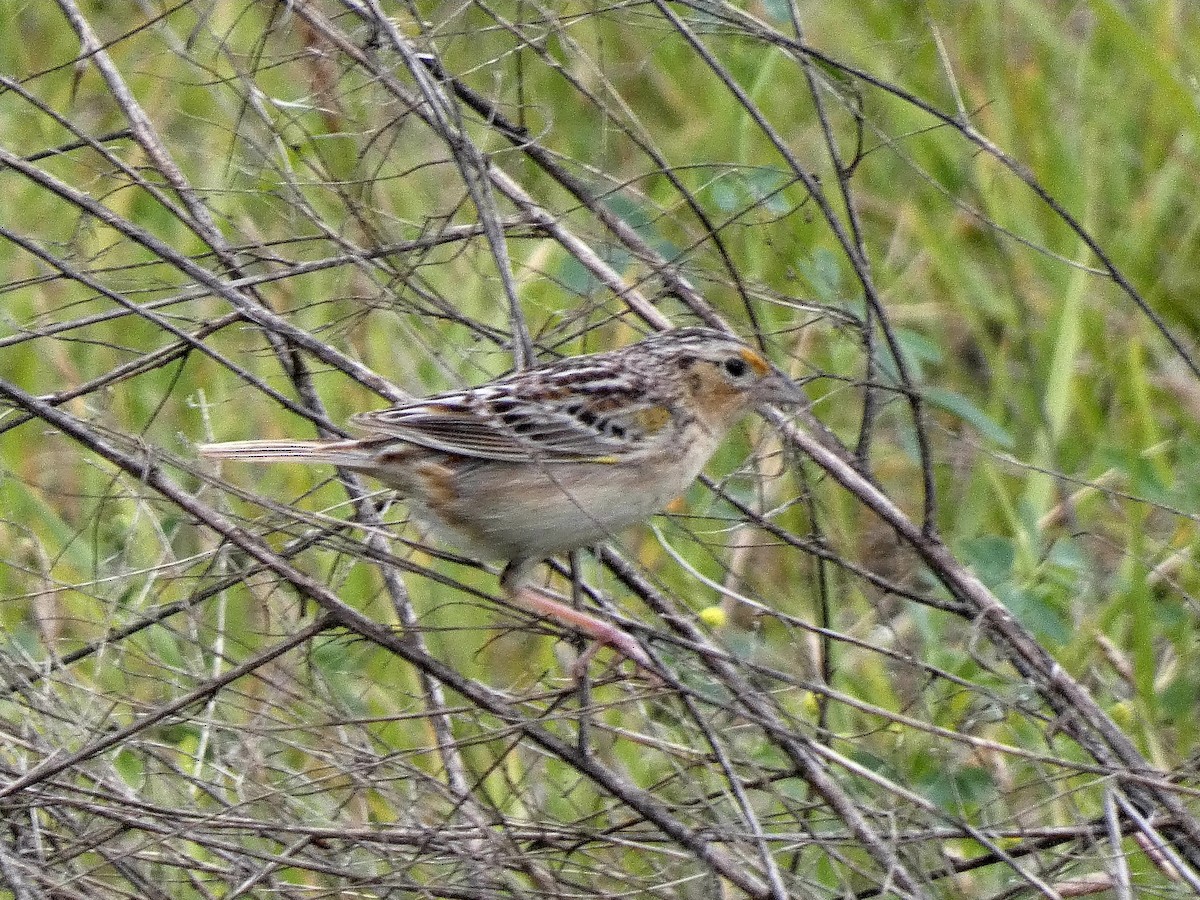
pixel 339 453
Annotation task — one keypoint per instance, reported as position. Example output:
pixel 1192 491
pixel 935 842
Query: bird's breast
pixel 534 510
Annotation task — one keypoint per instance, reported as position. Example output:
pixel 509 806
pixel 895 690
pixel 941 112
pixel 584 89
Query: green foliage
pixel 1062 424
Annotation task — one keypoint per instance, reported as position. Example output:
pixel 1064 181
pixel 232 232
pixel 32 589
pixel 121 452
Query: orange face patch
pixel 716 399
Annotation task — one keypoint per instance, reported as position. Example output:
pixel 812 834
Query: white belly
pixel 508 511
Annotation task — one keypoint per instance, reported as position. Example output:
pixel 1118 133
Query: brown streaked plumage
pixel 557 457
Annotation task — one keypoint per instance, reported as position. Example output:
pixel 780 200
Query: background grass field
pixel 972 229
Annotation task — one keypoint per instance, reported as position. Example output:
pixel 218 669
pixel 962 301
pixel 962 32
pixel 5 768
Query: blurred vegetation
pixel 1062 433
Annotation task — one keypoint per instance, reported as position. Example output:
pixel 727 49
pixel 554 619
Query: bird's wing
pixel 496 422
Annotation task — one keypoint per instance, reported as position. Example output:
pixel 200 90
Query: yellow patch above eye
pixel 757 363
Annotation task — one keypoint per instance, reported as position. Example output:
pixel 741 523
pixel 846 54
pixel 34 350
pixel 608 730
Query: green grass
pixel 1062 427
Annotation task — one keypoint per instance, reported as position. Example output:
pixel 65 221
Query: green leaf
pixel 991 556
pixel 953 790
pixel 958 405
pixel 1178 699
pixel 1035 611
pixel 824 274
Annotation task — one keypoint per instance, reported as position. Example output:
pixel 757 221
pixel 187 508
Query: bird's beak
pixel 779 390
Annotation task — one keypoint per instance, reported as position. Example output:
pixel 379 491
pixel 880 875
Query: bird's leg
pixel 583 684
pixel 515 583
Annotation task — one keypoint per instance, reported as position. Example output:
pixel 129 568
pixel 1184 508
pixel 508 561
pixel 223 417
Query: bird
pixel 557 457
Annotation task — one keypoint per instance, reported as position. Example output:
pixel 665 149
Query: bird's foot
pixel 603 633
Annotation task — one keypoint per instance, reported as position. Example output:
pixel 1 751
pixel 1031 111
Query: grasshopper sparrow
pixel 558 457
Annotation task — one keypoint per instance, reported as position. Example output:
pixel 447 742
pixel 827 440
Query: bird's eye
pixel 736 366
